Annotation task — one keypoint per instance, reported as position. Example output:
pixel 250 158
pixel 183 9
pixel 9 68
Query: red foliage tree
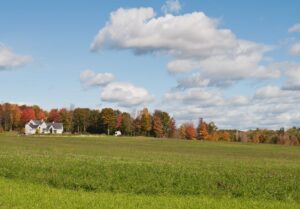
pixel 27 115
pixel 54 116
pixel 41 115
pixel 172 128
pixel 226 136
pixel 119 121
pixel 157 127
pixel 202 130
pixel 190 131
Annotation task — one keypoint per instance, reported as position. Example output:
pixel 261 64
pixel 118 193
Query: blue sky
pixel 49 45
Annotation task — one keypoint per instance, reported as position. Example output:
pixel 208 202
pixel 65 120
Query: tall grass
pixel 143 166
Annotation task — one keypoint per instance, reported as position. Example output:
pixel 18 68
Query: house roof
pixel 37 122
pixel 33 125
pixel 55 125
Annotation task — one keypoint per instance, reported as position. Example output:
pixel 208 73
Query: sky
pixel 236 63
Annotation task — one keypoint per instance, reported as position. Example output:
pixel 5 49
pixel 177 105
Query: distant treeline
pixel 157 124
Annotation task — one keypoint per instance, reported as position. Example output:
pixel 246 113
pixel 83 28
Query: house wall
pixel 29 130
pixel 59 131
pixel 42 127
pixel 56 131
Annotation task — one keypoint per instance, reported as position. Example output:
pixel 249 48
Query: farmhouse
pixel 40 126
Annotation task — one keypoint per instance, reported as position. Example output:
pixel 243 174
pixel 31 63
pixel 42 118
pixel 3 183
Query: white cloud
pixel 125 94
pixel 182 66
pixel 270 107
pixel 193 40
pixel 186 35
pixel 268 92
pixel 295 49
pixel 8 59
pixel 194 80
pixel 295 28
pixel 239 101
pixel 171 6
pixel 292 74
pixel 194 96
pixel 89 78
pixel 203 54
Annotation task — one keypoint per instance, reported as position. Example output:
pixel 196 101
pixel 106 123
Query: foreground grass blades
pixel 104 172
pixel 16 194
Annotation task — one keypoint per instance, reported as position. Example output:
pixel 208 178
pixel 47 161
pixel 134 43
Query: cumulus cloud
pixel 194 80
pixel 195 95
pixel 204 55
pixel 268 92
pixel 295 28
pixel 171 6
pixel 194 41
pixel 269 107
pixel 121 94
pixel 239 101
pixel 89 78
pixel 295 49
pixel 9 59
pixel 292 74
pixel 125 94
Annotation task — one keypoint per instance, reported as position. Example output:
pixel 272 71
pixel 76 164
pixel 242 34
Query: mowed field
pixel 124 172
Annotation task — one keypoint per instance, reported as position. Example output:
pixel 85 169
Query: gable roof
pixel 37 122
pixel 34 124
pixel 55 125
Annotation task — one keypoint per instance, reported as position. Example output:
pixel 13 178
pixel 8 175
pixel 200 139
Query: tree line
pixel 13 117
pixel 158 124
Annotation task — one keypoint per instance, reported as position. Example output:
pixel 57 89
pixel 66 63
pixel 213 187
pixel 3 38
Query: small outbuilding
pixel 118 133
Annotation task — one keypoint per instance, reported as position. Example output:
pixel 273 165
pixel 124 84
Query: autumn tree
pixel 157 127
pixel 16 116
pixel 39 113
pixel 27 115
pixel 94 121
pixel 284 139
pixel 119 121
pixel 172 128
pixel 202 130
pixel 190 131
pixel 294 141
pixel 225 136
pixel 165 121
pixel 126 124
pixel 145 121
pixel 108 120
pixel 137 126
pixel 10 116
pixel 66 118
pixel 7 116
pixel 242 136
pixel 255 138
pixel 80 119
pixel 54 116
pixel 212 128
pixel 182 131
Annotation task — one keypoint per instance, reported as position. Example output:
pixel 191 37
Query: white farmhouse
pixel 41 127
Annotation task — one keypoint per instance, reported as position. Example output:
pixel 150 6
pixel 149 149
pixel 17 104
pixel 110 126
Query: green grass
pixel 15 194
pixel 90 172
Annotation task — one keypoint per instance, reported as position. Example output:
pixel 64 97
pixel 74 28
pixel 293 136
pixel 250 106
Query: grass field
pixel 110 172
